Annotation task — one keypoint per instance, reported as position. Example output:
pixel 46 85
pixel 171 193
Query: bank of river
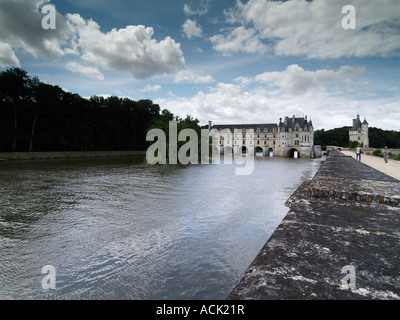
pixel 69 155
pixel 116 228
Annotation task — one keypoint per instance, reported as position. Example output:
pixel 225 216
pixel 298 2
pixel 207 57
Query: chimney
pixel 209 125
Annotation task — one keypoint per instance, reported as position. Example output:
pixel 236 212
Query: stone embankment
pixel 340 239
pixel 69 155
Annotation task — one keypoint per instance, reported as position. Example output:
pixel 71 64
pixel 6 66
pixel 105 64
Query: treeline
pixel 378 138
pixel 36 116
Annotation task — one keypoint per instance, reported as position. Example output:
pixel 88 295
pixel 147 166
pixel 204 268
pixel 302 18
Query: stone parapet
pixel 346 218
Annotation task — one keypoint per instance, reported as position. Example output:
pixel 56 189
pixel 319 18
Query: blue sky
pixel 227 61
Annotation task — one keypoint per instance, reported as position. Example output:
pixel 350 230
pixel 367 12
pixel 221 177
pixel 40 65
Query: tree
pixel 334 137
pixel 16 90
pixel 43 117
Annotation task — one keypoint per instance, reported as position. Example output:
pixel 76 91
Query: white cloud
pixel 191 29
pixel 239 39
pixel 314 29
pixel 21 28
pixel 331 98
pixel 296 80
pixel 201 10
pixel 151 88
pixel 7 56
pixel 130 49
pixel 91 72
pixel 187 76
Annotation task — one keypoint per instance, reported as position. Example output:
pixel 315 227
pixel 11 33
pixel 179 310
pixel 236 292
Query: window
pixel 258 129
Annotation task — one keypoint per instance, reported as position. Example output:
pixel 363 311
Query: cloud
pixel 330 97
pixel 202 9
pixel 187 76
pixel 296 80
pixel 7 56
pixel 190 29
pixel 91 72
pixel 21 28
pixel 151 88
pixel 239 39
pixel 313 29
pixel 130 49
pixel 227 103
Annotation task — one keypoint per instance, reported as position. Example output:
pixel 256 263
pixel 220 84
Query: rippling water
pixel 118 229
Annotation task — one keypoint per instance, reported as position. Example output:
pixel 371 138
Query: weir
pixel 340 239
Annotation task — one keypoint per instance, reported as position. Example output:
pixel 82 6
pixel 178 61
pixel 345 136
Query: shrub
pixel 377 153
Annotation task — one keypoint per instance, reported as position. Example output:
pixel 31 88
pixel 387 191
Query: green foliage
pixel 377 153
pixel 162 122
pixel 353 144
pixel 334 137
pixel 36 116
pixel 379 138
pixel 395 157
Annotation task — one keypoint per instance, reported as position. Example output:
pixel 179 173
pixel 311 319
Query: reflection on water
pixel 118 229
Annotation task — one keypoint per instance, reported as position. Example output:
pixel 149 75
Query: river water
pixel 120 229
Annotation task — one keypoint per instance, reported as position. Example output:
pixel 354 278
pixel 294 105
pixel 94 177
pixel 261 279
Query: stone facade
pixel 292 137
pixel 359 132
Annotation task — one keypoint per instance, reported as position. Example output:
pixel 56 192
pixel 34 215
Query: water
pixel 118 229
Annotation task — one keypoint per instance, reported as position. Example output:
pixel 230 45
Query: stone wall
pixel 340 239
pixel 69 155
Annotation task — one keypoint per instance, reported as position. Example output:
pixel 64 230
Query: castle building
pixel 292 137
pixel 359 132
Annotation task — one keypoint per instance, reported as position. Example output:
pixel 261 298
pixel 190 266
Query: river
pixel 121 229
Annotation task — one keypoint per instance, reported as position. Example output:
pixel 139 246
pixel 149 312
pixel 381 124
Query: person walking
pixel 358 153
pixel 386 154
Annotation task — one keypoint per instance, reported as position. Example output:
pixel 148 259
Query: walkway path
pixel 392 168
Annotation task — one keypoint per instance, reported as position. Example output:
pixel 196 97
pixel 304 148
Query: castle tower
pixel 359 132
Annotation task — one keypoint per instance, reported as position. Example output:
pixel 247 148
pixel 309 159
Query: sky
pixel 225 61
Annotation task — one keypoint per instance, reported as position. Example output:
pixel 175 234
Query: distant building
pixel 359 132
pixel 293 137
